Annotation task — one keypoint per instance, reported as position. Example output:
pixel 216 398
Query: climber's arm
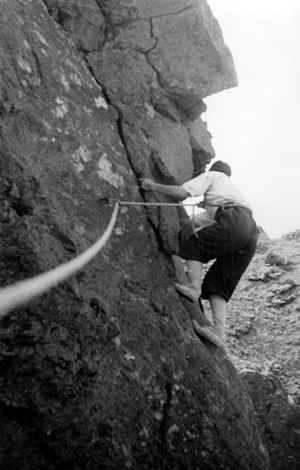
pixel 176 192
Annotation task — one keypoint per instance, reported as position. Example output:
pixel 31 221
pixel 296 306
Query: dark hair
pixel 222 167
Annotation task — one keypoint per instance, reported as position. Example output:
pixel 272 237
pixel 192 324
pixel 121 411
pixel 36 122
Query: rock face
pixel 105 371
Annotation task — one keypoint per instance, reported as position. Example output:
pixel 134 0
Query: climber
pixel 231 240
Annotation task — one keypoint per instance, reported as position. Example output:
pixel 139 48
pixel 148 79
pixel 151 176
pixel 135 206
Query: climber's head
pixel 222 167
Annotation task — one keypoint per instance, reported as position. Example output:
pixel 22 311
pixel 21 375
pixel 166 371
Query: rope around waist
pixel 227 206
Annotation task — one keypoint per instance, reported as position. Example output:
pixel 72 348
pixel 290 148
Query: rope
pixel 23 291
pixel 142 203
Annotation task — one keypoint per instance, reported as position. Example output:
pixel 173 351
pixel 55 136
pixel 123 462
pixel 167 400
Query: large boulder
pixel 105 370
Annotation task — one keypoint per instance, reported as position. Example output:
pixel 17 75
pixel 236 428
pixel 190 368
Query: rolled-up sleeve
pixel 197 186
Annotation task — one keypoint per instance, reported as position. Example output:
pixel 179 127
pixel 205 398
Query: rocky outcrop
pixel 105 371
pixel 279 419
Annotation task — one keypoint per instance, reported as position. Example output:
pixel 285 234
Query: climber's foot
pixel 207 333
pixel 188 292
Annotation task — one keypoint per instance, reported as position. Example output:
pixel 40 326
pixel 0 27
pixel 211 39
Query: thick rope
pixel 23 291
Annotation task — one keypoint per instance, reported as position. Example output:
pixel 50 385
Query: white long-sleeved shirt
pixel 217 189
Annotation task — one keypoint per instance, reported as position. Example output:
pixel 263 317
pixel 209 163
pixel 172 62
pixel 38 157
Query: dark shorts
pixel 231 240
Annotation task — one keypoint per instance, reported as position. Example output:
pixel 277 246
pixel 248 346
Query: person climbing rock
pixel 230 240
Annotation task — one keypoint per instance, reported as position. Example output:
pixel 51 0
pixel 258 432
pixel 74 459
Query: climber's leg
pixel 192 290
pixel 216 333
pixel 218 307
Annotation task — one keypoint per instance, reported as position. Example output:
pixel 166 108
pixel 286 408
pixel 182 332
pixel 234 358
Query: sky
pixel 256 126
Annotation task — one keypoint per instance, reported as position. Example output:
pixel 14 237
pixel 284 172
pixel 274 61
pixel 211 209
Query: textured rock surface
pixel 158 60
pixel 280 419
pixel 155 62
pixel 105 371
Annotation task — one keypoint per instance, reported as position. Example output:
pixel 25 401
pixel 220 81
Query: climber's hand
pixel 147 184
